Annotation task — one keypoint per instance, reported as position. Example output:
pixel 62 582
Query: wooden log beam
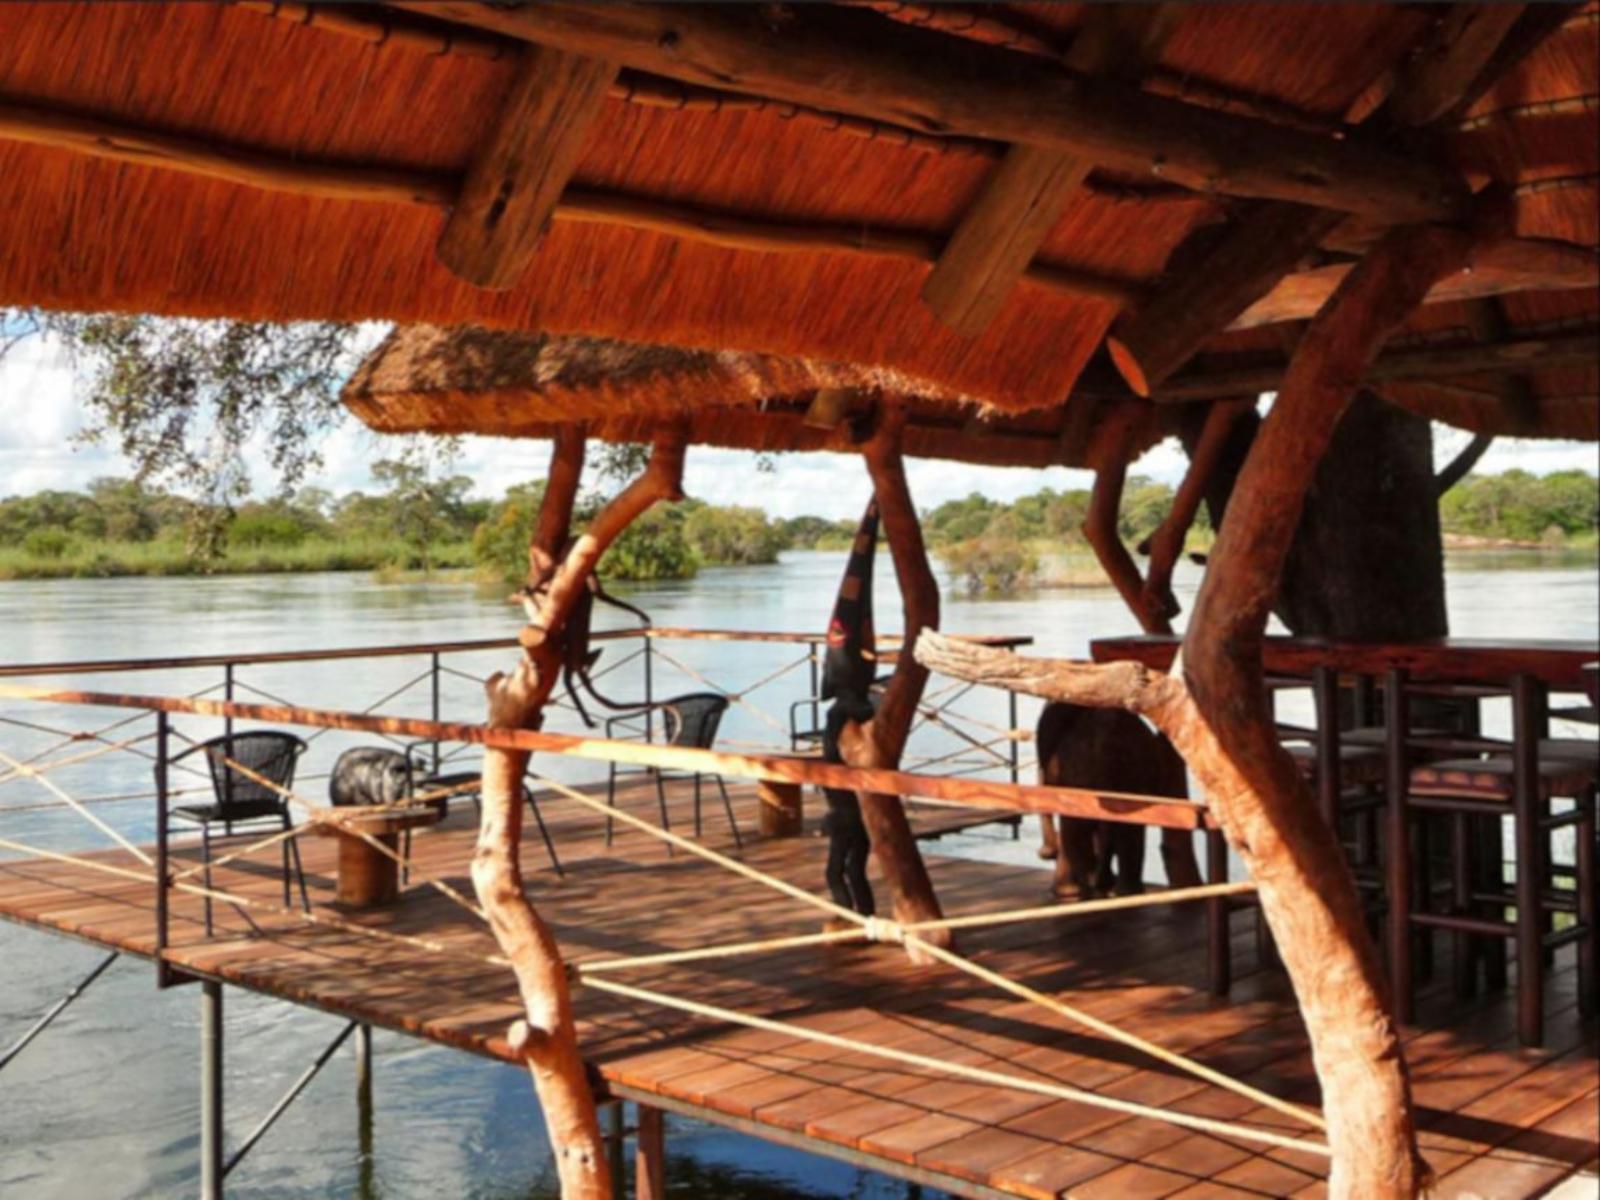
pixel 517 177
pixel 1219 718
pixel 1109 455
pixel 883 739
pixel 1514 357
pixel 1307 892
pixel 1449 61
pixel 1166 543
pixel 858 63
pixel 1497 268
pixel 1271 239
pixel 1461 465
pixel 1513 265
pixel 1185 313
pixel 1487 319
pixel 547 1035
pixel 1023 199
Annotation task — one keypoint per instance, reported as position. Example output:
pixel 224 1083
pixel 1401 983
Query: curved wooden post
pixel 547 1036
pixel 1217 715
pixel 1109 454
pixel 881 742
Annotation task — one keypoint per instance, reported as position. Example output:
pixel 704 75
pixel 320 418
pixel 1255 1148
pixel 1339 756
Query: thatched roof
pixel 268 161
pixel 467 380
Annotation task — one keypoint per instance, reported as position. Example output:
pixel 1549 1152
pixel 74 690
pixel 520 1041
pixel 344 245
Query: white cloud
pixel 40 416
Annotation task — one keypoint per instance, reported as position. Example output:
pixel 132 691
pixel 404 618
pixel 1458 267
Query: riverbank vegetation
pixel 425 521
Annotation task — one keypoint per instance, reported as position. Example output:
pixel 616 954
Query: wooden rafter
pixel 1497 269
pixel 1510 358
pixel 516 180
pixel 1487 320
pixel 859 63
pixel 1513 265
pixel 1269 242
pixel 1023 199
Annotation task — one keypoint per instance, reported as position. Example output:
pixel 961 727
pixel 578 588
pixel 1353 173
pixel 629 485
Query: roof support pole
pixel 882 740
pixel 559 571
pixel 1217 714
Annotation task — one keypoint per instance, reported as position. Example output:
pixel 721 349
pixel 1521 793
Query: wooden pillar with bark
pixel 1216 712
pixel 559 567
pixel 882 740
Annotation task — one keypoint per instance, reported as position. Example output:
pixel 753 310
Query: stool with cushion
pixel 1476 789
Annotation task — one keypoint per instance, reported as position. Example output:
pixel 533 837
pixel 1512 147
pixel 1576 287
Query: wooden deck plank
pixel 1484 1102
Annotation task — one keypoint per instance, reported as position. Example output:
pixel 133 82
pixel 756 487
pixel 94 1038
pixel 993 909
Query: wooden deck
pixel 1497 1120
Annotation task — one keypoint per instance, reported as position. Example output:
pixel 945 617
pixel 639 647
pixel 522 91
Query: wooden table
pixel 369 878
pixel 1557 664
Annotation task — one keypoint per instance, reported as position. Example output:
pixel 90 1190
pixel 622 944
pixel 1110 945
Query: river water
pixel 106 1103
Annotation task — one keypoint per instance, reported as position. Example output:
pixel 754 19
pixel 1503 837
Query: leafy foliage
pixel 1519 506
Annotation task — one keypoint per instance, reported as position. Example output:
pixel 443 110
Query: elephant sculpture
pixel 1107 749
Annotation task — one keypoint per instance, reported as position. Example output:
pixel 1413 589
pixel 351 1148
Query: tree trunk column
pixel 1307 892
pixel 894 847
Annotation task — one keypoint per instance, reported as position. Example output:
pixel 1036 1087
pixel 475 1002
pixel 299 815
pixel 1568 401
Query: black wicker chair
pixel 689 720
pixel 431 772
pixel 243 801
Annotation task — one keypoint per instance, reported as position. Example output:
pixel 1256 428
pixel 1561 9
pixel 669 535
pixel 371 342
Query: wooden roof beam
pixel 1269 242
pixel 859 63
pixel 1496 269
pixel 1487 320
pixel 515 182
pixel 1023 199
pixel 1511 357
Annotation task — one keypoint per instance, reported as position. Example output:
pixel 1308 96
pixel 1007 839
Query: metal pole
pixel 364 1084
pixel 1016 752
pixel 649 689
pixel 295 1089
pixel 227 694
pixel 56 1010
pixel 366 1182
pixel 211 1165
pixel 434 671
pixel 615 1151
pixel 163 876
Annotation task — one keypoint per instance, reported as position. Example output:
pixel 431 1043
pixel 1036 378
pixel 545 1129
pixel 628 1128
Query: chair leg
pixel 1219 958
pixel 1399 872
pixel 299 868
pixel 1491 850
pixel 661 799
pixel 205 859
pixel 611 800
pixel 727 806
pixel 1463 946
pixel 1422 848
pixel 405 858
pixel 698 831
pixel 544 832
pixel 1589 944
pixel 1530 919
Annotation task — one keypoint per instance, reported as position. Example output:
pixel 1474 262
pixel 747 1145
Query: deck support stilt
pixel 211 1160
pixel 364 1086
pixel 650 1155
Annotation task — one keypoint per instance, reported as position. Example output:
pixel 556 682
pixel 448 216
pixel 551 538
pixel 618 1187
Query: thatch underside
pixel 84 232
pixel 465 380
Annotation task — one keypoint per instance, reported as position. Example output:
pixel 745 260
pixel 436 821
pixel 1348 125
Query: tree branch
pixel 516 701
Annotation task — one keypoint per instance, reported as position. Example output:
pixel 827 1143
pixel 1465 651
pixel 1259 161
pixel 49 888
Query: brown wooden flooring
pixel 1497 1120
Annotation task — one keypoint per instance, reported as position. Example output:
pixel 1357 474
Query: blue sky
pixel 39 416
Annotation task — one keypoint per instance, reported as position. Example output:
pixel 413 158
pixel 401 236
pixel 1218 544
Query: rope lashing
pixel 1055 1091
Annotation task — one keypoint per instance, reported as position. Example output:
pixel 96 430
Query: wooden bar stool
pixel 1523 786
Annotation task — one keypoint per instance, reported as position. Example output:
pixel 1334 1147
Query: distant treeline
pixel 419 522
pixel 1558 509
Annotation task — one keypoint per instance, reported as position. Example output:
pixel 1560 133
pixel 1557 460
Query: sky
pixel 40 416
